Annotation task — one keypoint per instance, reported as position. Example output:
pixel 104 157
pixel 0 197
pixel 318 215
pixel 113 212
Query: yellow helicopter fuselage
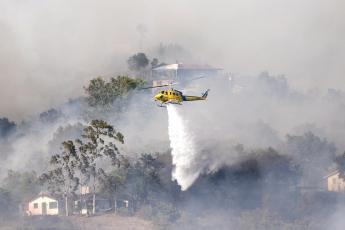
pixel 173 96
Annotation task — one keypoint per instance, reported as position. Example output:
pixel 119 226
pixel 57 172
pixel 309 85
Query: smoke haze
pixel 49 49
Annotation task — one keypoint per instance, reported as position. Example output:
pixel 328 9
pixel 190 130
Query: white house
pixel 43 205
pixel 334 182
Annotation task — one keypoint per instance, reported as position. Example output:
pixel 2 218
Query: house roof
pixel 331 173
pixel 41 194
pixel 166 67
pixel 197 67
pixel 182 66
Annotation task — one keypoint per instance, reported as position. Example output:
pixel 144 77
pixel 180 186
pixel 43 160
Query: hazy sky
pixel 49 49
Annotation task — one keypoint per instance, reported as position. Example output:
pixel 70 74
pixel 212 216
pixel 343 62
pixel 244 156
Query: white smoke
pixel 183 149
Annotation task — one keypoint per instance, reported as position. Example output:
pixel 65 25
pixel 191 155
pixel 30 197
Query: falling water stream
pixel 183 149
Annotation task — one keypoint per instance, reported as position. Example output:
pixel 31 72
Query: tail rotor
pixel 205 94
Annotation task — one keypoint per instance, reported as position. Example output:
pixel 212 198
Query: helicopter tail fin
pixel 204 96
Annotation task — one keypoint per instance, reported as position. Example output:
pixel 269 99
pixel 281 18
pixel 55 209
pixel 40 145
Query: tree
pixel 121 85
pixel 102 93
pixel 340 161
pixel 98 143
pixel 6 204
pixel 6 127
pixel 62 179
pixel 143 181
pixel 276 168
pixel 99 92
pixel 22 185
pixel 78 162
pixel 154 63
pixel 50 115
pixel 66 132
pixel 171 52
pixel 313 154
pixel 138 62
pixel 112 184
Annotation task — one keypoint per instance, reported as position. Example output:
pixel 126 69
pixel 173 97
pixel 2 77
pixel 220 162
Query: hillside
pixel 104 222
pixel 110 221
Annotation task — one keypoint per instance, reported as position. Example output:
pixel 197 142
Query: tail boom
pixel 196 98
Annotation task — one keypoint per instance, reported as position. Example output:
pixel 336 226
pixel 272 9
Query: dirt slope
pixel 110 222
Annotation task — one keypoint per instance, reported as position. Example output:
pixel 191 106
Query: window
pixel 166 93
pixel 162 92
pixel 170 93
pixel 52 205
pixel 35 205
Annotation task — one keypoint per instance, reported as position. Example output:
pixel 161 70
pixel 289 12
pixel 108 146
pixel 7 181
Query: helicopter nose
pixel 157 97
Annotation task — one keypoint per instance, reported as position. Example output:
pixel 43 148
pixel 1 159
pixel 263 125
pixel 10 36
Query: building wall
pixel 32 210
pixel 335 183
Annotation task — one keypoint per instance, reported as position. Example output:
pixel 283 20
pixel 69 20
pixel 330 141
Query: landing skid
pixel 164 104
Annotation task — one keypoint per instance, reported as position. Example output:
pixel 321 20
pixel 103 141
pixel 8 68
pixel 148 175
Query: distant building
pixel 334 182
pixel 181 72
pixel 42 205
pixel 84 190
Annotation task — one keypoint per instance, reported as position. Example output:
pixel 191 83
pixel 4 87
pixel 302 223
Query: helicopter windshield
pixel 178 92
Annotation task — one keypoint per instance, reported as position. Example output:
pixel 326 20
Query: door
pixel 44 208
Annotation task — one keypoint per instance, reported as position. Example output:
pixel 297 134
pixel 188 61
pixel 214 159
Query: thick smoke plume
pixel 50 48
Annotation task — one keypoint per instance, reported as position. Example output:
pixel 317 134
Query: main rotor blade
pixel 173 83
pixel 158 86
pixel 196 78
pixel 152 87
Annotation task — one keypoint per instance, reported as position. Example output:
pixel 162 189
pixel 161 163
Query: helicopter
pixel 173 96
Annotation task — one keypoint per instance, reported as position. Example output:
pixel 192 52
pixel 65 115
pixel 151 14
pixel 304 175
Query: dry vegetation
pixel 110 221
pixel 104 222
